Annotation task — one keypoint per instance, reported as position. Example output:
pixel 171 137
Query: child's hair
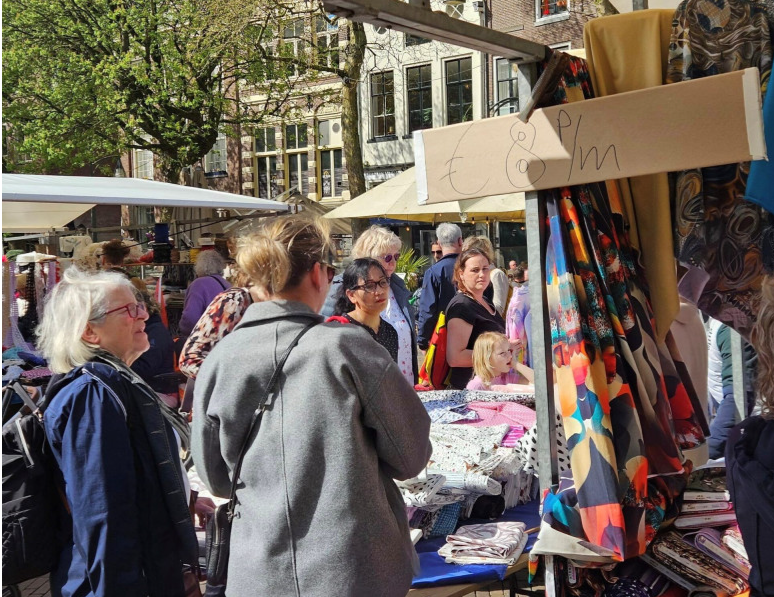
pixel 482 355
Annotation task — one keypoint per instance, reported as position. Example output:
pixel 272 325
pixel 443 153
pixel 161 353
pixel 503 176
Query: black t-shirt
pixel 387 335
pixel 471 311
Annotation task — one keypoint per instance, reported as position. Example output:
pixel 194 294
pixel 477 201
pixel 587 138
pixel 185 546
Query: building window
pixel 327 40
pixel 143 164
pixel 291 35
pixel 459 90
pixel 296 158
pixel 415 40
pixel 382 104
pixel 264 140
pixel 549 8
pixel 420 97
pixel 507 86
pixel 266 168
pixel 331 173
pixel 216 159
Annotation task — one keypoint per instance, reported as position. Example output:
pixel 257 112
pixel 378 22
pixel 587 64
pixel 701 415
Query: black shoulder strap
pixel 214 277
pixel 255 423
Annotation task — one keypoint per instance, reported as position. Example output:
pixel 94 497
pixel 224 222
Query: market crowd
pixel 318 511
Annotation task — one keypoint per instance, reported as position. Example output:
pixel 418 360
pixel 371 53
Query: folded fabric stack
pixel 732 539
pixel 706 503
pixel 490 543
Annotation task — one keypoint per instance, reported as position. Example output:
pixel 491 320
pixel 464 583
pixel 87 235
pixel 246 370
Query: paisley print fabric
pixel 221 317
pixel 715 229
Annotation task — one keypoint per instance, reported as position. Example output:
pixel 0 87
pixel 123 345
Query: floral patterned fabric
pixel 221 317
pixel 715 229
pixel 393 315
pixel 489 543
pixel 515 322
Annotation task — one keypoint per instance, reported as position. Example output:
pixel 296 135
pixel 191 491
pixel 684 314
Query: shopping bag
pixel 435 371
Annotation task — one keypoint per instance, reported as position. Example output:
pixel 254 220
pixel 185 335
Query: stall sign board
pixel 693 124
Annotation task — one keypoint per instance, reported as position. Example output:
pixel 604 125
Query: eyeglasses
pixel 389 258
pixel 437 252
pixel 371 285
pixel 133 310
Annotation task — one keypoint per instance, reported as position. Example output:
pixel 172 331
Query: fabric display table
pixel 437 578
pixel 481 472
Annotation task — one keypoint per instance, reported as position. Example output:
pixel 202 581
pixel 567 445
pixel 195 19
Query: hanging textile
pixel 624 405
pixel 613 45
pixel 715 229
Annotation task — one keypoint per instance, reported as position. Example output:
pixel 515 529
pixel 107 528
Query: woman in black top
pixel 361 299
pixel 469 314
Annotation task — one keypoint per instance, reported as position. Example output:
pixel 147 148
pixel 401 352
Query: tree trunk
pixel 350 121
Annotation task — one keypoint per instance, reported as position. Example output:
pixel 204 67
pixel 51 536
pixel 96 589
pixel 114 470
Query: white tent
pixel 35 203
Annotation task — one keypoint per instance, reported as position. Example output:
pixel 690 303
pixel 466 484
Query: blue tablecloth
pixel 435 572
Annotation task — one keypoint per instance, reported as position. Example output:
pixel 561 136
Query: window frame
pixel 424 85
pixel 220 165
pixel 328 34
pixel 337 190
pixel 294 157
pixel 388 117
pixel 514 85
pixel 459 85
pixel 551 17
pixel 138 163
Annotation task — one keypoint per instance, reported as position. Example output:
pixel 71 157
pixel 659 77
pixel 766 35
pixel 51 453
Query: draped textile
pixel 715 229
pixel 626 409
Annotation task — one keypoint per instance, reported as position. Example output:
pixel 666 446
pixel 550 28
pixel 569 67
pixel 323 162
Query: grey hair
pixel 209 263
pixel 79 298
pixel 448 234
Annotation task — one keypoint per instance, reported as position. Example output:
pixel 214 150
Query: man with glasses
pixel 438 285
pixel 436 251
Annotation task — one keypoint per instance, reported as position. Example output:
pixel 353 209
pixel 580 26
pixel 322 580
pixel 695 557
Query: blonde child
pixel 494 367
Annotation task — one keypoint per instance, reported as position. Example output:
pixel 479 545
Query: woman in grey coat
pixel 318 512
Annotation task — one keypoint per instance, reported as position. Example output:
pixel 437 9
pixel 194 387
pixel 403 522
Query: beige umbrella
pixel 397 199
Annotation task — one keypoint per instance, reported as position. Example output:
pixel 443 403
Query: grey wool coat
pixel 319 513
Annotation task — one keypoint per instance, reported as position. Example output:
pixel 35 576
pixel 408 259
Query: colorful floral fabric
pixel 221 317
pixel 515 322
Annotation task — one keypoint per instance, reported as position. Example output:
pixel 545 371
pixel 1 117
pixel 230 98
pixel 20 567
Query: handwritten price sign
pixel 699 123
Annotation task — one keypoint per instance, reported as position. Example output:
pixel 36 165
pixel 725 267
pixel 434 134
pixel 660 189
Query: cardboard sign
pixel 706 122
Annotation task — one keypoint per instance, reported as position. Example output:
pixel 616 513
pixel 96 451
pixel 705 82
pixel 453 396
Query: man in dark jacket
pixel 438 285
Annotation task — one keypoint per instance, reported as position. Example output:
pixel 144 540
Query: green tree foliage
pixel 89 78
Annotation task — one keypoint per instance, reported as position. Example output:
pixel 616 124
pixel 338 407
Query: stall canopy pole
pixel 541 342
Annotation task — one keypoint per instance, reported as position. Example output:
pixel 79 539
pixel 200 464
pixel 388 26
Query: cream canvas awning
pixel 36 202
pixel 396 198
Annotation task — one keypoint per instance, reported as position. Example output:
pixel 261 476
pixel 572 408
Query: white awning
pixel 35 203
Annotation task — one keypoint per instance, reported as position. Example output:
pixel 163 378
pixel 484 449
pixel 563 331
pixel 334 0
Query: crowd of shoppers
pixel 318 511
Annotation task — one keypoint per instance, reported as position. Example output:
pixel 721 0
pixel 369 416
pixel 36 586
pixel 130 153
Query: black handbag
pixel 217 544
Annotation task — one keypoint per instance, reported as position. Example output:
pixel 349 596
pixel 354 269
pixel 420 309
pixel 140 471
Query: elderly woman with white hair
pixel 209 283
pixel 129 531
pixel 383 245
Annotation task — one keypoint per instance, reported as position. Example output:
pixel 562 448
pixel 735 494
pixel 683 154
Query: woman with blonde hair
pixel 750 457
pixel 384 246
pixel 317 510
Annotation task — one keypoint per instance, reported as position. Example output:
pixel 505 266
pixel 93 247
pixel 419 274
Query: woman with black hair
pixel 362 298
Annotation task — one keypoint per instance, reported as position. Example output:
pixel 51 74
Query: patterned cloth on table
pixel 671 550
pixel 464 397
pixel 456 448
pixel 732 538
pixel 420 492
pixel 493 543
pixel 448 411
pixel 515 318
pixel 715 229
pixel 527 449
pixel 710 542
pixel 499 413
pixel 446 521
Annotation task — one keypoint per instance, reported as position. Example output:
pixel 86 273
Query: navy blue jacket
pixel 438 289
pixel 750 480
pixel 130 534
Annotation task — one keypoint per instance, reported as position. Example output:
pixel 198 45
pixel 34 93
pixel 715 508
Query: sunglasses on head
pixel 389 258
